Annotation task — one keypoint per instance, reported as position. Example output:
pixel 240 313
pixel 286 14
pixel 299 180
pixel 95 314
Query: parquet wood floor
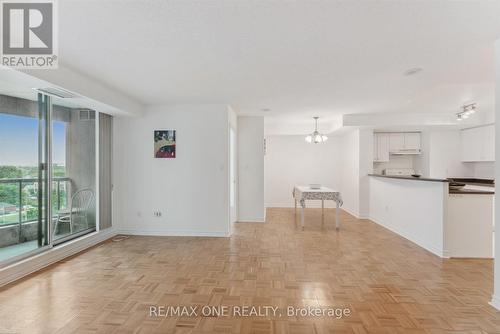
pixel 389 284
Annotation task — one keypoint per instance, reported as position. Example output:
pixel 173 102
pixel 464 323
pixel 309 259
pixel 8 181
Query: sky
pixel 19 141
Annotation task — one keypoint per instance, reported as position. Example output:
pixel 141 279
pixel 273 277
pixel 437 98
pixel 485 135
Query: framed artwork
pixel 164 143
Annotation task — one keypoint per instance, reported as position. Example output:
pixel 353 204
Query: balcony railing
pixel 21 207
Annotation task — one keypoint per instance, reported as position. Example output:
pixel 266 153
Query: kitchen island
pixel 422 210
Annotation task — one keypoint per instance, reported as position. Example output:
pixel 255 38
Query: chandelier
pixel 316 137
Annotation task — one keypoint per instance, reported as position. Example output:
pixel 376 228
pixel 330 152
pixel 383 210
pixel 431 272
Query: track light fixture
pixel 467 110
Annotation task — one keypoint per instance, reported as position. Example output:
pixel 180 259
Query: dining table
pixel 301 194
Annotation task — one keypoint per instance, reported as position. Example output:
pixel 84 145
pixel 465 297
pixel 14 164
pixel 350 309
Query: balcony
pixel 19 213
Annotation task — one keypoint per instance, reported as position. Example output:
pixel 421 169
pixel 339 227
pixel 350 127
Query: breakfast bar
pixel 448 217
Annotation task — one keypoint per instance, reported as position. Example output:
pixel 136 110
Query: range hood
pixel 409 151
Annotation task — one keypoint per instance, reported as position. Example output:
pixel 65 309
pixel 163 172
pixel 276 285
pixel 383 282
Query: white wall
pixel 445 155
pixel 444 161
pixel 356 160
pixel 483 170
pixel 350 171
pixel 365 168
pixel 341 163
pixel 440 158
pixel 413 209
pixel 251 169
pixel 395 161
pixel 233 155
pixel 191 190
pixel 291 161
pixel 232 117
pixel 496 295
pixel 421 163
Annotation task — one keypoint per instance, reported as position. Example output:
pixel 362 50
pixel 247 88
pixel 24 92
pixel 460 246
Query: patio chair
pixel 78 209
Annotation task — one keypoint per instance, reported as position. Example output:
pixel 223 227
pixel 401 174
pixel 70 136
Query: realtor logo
pixel 29 34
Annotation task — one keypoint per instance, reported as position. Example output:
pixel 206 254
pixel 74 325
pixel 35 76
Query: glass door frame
pixel 56 242
pixel 45 236
pixel 45 170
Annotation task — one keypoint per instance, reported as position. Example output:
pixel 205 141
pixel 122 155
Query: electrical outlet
pixel 157 214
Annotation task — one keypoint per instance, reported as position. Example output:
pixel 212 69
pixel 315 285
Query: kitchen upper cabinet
pixel 381 147
pixel 470 145
pixel 396 142
pixel 386 143
pixel 478 144
pixel 489 143
pixel 404 143
pixel 412 141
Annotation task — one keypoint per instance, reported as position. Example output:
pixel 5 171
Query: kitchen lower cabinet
pixel 469 226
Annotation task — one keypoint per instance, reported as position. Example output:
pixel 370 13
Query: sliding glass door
pixel 23 176
pixel 73 171
pixel 47 173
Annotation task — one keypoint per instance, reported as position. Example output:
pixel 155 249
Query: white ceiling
pixel 298 58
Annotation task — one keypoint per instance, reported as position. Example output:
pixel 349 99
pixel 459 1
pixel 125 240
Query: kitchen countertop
pixel 410 178
pixel 474 182
pixel 471 192
pixel 477 186
pixel 468 181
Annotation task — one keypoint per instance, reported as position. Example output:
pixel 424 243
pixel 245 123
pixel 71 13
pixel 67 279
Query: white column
pixel 251 169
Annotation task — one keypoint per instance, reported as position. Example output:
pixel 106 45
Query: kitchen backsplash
pixel 483 170
pixel 396 161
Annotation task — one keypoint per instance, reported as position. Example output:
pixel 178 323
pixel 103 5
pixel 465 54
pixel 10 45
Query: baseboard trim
pixel 175 233
pixel 33 264
pixel 313 205
pixel 495 302
pixel 250 221
pixel 355 215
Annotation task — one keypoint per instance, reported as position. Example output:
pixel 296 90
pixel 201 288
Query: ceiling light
pixel 316 137
pixel 413 71
pixel 467 110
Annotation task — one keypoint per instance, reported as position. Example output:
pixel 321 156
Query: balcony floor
pixel 18 249
pixel 9 252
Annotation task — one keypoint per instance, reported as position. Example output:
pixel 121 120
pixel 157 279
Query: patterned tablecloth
pixel 304 193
